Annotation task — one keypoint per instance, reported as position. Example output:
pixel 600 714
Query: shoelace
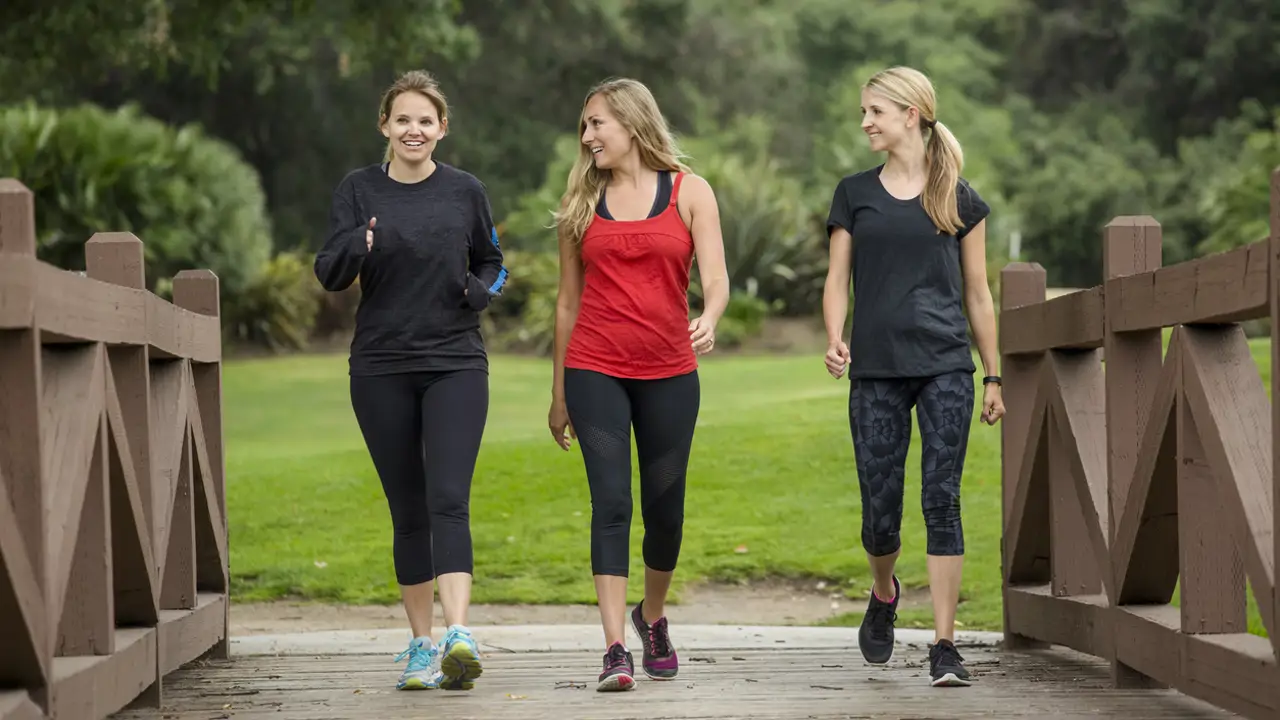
pixel 879 617
pixel 659 639
pixel 945 653
pixel 419 657
pixel 617 657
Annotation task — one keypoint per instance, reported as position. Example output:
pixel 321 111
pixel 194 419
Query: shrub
pixel 192 199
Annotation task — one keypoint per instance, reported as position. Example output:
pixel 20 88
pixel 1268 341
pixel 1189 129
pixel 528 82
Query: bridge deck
pixel 747 684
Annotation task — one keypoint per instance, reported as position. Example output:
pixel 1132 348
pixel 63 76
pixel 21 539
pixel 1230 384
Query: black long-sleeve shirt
pixel 434 266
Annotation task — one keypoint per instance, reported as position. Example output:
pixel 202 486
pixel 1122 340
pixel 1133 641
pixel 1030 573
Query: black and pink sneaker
pixel 660 661
pixel 618 670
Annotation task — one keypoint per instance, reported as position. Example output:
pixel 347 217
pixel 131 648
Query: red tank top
pixel 633 321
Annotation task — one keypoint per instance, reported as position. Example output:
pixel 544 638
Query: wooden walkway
pixel 747 684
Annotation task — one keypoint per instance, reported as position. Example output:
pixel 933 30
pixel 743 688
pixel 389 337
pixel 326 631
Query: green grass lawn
pixel 772 490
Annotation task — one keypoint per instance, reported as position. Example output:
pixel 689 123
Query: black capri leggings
pixel 603 409
pixel 423 432
pixel 880 420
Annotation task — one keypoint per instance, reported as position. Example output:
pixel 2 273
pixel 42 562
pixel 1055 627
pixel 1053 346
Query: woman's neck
pixel 401 171
pixel 907 163
pixel 630 173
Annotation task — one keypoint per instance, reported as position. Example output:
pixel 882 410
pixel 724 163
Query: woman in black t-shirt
pixel 911 236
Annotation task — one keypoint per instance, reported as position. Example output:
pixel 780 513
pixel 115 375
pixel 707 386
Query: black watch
pixel 992 379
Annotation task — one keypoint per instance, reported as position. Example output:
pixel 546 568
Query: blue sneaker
pixel 461 662
pixel 423 672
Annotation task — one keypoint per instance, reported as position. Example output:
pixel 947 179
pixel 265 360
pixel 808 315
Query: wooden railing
pixel 1157 473
pixel 113 536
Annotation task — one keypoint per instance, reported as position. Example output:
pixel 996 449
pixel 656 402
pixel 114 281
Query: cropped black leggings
pixel 423 432
pixel 603 410
pixel 880 420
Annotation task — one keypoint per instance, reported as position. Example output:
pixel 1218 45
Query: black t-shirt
pixel 908 317
pixel 435 264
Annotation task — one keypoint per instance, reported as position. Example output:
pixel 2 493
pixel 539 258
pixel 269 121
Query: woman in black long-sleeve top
pixel 419 235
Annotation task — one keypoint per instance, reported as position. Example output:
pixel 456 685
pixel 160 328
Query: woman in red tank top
pixel 632 221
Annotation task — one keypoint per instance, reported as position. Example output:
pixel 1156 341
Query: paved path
pixel 727 672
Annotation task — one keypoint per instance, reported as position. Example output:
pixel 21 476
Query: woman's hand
pixel 702 332
pixel 992 404
pixel 368 234
pixel 558 422
pixel 837 358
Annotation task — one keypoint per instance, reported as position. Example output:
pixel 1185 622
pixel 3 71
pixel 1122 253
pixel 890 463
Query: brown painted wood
pixel 17 705
pixel 1144 549
pixel 1226 395
pixel 85 528
pixel 741 684
pixel 1078 457
pixel 1274 294
pixel 1224 287
pixel 1070 321
pixel 1213 598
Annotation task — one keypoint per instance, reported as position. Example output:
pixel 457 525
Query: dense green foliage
pixel 1070 112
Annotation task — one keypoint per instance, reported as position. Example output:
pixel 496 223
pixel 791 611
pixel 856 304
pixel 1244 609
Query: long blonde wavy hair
pixel 907 87
pixel 634 106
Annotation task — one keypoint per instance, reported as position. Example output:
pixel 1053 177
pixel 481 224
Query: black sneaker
pixel 875 636
pixel 945 669
pixel 618 674
pixel 660 661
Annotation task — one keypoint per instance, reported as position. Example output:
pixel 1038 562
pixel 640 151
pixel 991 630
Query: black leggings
pixel 880 420
pixel 423 432
pixel 603 409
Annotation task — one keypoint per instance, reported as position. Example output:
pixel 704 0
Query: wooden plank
pixel 173 332
pixel 1027 533
pixel 24 621
pixel 134 577
pixel 1212 571
pixel 1070 321
pixel 17 705
pixel 17 291
pixel 1078 461
pixel 185 635
pixel 76 308
pixel 87 625
pixel 1230 404
pixel 1274 292
pixel 1224 287
pixel 1144 546
pixel 741 684
pixel 1236 672
pixel 17 218
pixel 1079 622
pixel 1147 641
pixel 94 687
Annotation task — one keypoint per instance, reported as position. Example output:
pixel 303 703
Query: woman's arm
pixel 708 246
pixel 982 314
pixel 835 299
pixel 487 273
pixel 568 300
pixel 337 264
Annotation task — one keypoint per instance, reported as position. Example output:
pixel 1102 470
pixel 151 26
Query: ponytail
pixel 944 159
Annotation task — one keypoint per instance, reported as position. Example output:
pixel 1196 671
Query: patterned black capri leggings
pixel 880 420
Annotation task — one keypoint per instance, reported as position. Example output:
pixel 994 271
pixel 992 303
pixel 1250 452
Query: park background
pixel 216 131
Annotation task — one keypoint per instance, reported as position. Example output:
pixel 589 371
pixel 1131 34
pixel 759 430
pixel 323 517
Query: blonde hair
pixel 943 157
pixel 636 109
pixel 421 82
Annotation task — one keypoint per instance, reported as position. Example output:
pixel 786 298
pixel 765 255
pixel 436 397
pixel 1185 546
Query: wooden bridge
pixel 1121 487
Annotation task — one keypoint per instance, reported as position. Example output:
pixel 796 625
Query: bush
pixel 279 307
pixel 192 199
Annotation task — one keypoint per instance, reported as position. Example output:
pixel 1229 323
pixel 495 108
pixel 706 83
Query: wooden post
pixel 118 258
pixel 1274 247
pixel 26 660
pixel 1131 245
pixel 1021 284
pixel 199 291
